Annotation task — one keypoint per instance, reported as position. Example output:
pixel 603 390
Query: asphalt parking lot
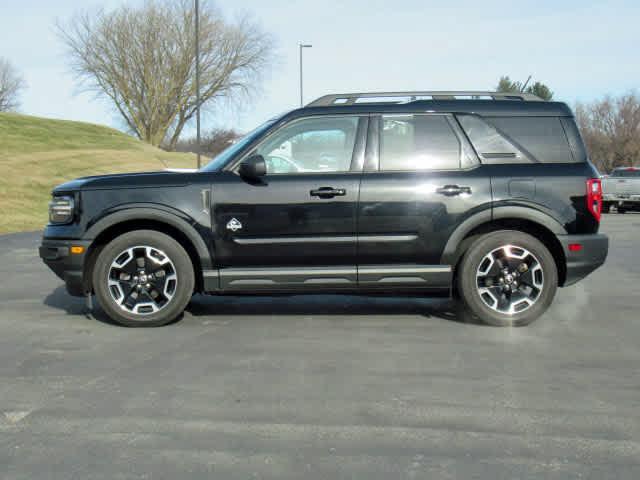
pixel 321 387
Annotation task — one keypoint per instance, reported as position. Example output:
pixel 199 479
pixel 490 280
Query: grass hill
pixel 38 153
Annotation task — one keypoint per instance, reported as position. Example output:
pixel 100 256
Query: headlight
pixel 61 209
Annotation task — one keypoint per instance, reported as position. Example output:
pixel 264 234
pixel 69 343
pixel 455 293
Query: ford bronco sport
pixel 490 197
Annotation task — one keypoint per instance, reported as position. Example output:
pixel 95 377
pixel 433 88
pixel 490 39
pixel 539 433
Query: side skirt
pixel 329 279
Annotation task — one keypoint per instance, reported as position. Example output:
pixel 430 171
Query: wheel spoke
pixel 527 278
pixel 504 302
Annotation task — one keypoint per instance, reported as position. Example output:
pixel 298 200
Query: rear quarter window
pixel 626 172
pixel 490 145
pixel 542 138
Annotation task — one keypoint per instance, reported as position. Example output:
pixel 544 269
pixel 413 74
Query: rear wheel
pixel 622 210
pixel 606 207
pixel 143 278
pixel 507 278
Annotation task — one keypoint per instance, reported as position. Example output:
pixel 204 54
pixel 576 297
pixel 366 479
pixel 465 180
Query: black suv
pixel 478 194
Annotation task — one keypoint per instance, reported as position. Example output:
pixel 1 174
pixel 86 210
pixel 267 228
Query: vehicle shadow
pixel 441 308
pixel 61 300
pixel 215 306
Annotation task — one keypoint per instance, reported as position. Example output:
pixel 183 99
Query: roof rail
pixel 408 97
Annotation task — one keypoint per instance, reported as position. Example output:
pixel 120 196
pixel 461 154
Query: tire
pixel 169 278
pixel 606 207
pixel 622 210
pixel 485 295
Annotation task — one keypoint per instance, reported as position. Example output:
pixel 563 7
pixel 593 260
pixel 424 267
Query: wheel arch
pixel 527 220
pixel 126 220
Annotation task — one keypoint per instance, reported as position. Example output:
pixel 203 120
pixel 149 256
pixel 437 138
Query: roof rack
pixel 409 97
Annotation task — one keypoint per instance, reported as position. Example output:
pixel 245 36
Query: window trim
pixel 357 156
pixel 375 128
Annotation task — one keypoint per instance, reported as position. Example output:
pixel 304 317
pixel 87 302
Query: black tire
pixel 181 265
pixel 622 210
pixel 467 281
pixel 606 207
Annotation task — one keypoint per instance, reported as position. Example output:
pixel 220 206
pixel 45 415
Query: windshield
pixel 626 172
pixel 228 153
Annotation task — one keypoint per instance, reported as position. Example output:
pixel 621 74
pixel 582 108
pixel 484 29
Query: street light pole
pixel 301 46
pixel 198 80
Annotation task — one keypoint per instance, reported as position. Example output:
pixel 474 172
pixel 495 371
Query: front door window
pixel 311 145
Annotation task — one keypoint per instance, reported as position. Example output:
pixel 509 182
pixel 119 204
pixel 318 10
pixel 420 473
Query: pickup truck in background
pixel 621 189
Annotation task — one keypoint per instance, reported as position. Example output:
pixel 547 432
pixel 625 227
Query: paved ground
pixel 321 387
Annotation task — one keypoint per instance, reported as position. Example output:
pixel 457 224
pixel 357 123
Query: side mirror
pixel 253 167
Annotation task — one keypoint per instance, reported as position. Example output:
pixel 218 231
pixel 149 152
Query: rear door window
pixel 418 142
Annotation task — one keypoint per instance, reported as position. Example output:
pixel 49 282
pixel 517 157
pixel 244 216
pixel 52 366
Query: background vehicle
pixel 621 189
pixel 487 195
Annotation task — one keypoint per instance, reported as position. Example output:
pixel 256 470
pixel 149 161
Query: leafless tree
pixel 611 130
pixel 11 84
pixel 211 143
pixel 143 60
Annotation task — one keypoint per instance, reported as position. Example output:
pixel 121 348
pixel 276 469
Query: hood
pixel 127 180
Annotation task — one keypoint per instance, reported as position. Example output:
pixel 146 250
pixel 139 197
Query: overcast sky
pixel 581 49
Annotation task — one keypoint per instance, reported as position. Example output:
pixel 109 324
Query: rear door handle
pixel 328 192
pixel 453 190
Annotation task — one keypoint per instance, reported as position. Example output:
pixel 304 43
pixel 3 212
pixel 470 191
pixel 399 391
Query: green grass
pixel 37 154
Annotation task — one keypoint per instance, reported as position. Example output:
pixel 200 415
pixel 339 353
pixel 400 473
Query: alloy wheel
pixel 510 279
pixel 142 280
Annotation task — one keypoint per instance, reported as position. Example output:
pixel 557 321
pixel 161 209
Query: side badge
pixel 234 225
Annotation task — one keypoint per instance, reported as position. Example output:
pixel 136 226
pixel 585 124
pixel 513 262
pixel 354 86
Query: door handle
pixel 328 192
pixel 453 190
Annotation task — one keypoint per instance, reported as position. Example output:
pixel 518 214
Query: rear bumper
pixel 69 267
pixel 581 263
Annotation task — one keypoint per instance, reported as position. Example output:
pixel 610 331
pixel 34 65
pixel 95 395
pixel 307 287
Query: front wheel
pixel 507 278
pixel 143 278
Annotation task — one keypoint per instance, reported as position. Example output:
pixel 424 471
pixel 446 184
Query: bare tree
pixel 11 84
pixel 143 60
pixel 211 143
pixel 611 130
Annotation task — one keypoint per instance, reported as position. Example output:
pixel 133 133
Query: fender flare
pixel 175 219
pixel 496 213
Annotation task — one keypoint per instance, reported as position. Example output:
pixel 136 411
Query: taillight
pixel 594 197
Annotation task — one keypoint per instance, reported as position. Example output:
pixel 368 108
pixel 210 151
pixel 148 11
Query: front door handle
pixel 453 190
pixel 328 192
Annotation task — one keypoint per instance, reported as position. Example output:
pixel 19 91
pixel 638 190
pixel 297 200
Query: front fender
pixel 162 214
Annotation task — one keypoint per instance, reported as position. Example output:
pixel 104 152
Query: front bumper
pixel 581 263
pixel 56 254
